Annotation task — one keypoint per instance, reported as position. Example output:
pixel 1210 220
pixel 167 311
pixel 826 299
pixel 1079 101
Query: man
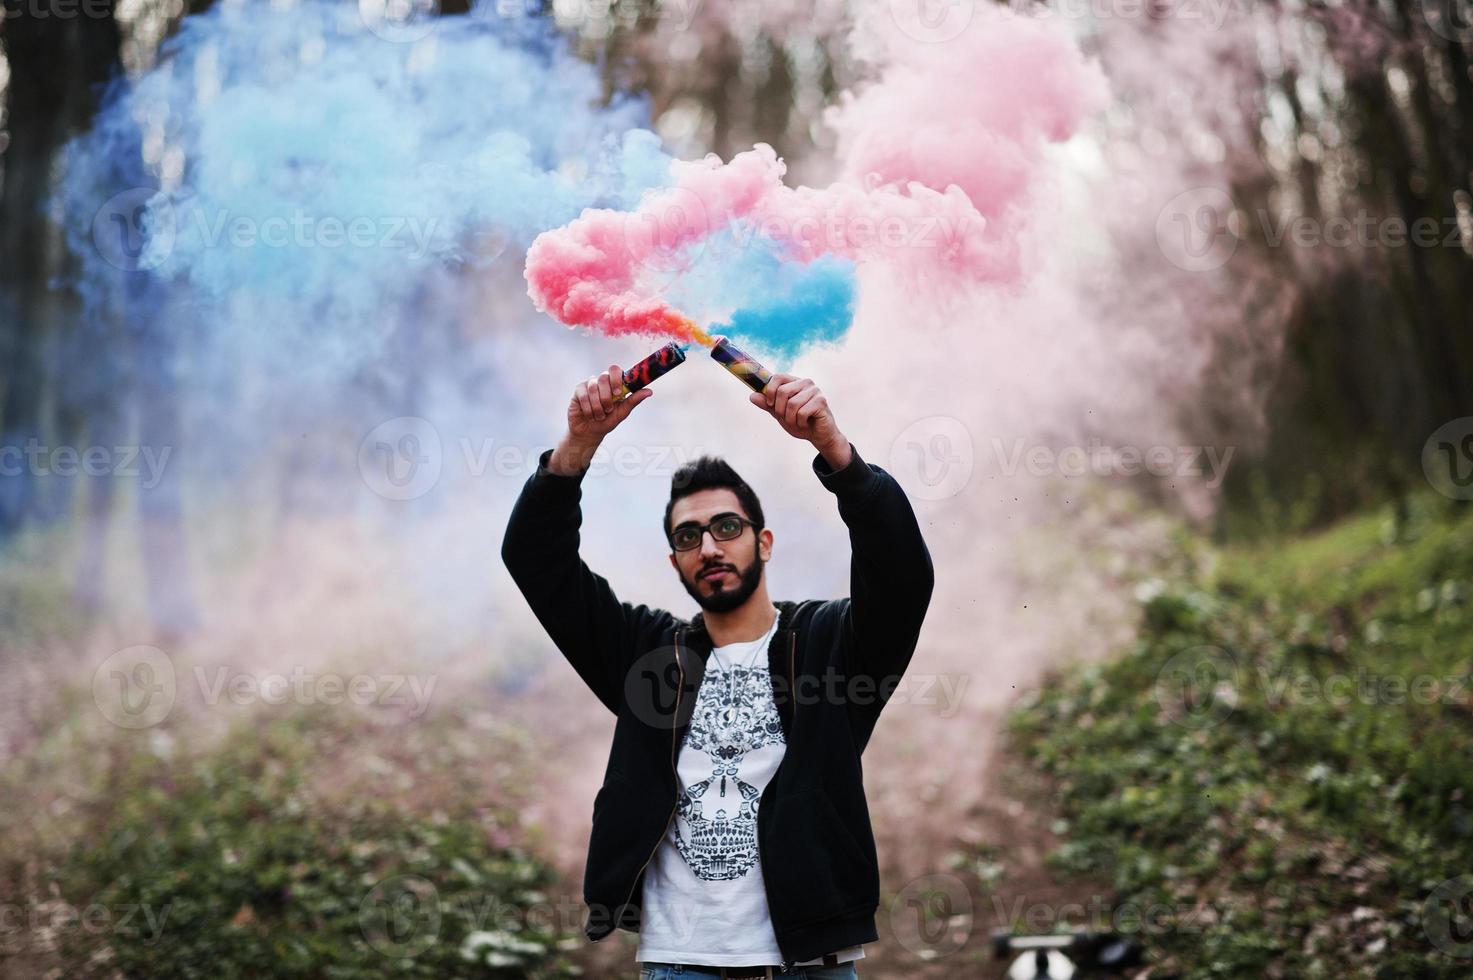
pixel 731 830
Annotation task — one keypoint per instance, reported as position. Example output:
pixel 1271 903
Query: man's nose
pixel 711 549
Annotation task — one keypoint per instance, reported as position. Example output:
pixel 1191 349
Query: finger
pixel 796 403
pixel 616 381
pixel 780 397
pixel 759 399
pixel 769 391
pixel 595 407
pixel 584 405
pixel 785 392
pixel 810 411
pixel 605 393
pixel 626 405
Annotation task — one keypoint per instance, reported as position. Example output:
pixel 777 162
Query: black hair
pixel 708 473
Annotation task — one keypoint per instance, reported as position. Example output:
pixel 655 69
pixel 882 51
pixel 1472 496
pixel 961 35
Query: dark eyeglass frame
pixel 701 530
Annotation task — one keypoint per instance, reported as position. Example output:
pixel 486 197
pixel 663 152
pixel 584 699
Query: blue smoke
pixel 299 186
pixel 741 284
pixel 800 306
pixel 305 178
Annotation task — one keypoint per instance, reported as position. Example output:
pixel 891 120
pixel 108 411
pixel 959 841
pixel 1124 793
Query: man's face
pixel 719 575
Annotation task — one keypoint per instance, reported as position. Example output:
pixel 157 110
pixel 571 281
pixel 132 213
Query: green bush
pixel 1263 763
pixel 241 862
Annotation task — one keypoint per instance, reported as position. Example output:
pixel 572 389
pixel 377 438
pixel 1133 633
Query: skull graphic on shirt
pixel 734 715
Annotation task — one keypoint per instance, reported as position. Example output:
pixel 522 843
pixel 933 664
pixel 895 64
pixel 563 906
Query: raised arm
pixel 597 633
pixel 890 572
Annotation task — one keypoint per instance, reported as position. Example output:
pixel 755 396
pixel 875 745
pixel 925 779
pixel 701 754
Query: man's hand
pixel 592 414
pixel 803 412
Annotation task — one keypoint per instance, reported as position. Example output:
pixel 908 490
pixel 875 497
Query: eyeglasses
pixel 723 527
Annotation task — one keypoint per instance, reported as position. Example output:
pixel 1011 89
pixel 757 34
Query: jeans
pixel 666 971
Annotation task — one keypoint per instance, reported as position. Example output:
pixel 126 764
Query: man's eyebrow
pixel 724 513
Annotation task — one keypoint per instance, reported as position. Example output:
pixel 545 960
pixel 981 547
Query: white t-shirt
pixel 704 900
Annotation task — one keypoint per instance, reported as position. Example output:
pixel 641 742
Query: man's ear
pixel 764 543
pixel 673 563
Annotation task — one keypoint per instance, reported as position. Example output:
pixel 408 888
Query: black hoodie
pixel 834 664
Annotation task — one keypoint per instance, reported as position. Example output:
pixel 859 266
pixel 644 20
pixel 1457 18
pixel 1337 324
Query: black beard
pixel 728 599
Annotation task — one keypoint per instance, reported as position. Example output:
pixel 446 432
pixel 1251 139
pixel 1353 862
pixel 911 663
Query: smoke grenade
pixel 741 364
pixel 660 363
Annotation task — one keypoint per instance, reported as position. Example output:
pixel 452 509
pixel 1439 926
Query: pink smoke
pixel 939 161
pixel 976 112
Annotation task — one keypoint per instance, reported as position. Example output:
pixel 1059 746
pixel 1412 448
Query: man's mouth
pixel 714 574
